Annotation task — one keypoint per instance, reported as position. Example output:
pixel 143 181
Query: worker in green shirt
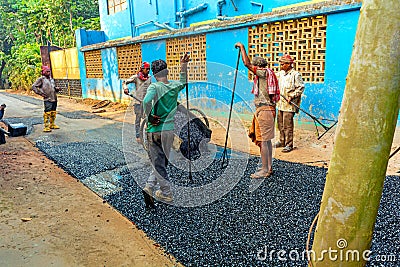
pixel 159 105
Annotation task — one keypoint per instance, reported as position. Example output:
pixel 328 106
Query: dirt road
pixel 49 218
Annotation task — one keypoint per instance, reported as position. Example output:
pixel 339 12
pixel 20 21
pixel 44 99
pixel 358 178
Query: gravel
pixel 83 159
pixel 27 99
pixel 79 114
pixel 237 228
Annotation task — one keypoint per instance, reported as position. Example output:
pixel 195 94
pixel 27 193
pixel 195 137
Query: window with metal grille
pixel 196 47
pixel 94 64
pixel 303 39
pixel 115 6
pixel 129 60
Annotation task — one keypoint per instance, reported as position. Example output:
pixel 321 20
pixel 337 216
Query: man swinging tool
pixel 142 80
pixel 292 86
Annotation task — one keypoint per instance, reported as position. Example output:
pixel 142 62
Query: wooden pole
pixel 364 137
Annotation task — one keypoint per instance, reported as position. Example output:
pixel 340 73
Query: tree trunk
pixel 364 137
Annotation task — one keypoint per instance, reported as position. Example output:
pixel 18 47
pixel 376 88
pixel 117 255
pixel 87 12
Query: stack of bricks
pixel 129 60
pixel 303 39
pixel 196 47
pixel 94 68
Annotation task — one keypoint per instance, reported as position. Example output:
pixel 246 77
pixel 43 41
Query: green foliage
pixel 27 24
pixel 24 66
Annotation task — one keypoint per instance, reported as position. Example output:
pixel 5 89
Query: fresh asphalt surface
pixel 241 224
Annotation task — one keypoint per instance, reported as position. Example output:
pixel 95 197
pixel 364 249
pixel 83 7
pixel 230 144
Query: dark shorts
pixel 50 106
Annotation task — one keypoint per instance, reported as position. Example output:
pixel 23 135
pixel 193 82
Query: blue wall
pixel 321 99
pixel 84 38
pixel 116 25
pixel 111 82
pixel 153 50
pixel 138 18
pixel 221 64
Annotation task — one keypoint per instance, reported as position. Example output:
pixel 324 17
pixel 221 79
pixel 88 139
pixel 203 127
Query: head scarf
pixel 140 74
pixel 145 65
pixel 286 59
pixel 44 69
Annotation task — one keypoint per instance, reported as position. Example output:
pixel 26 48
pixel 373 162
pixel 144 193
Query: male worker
pixel 292 86
pixel 266 94
pixel 159 105
pixel 2 109
pixel 142 81
pixel 45 87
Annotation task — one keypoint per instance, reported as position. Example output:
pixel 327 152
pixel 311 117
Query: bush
pixel 25 66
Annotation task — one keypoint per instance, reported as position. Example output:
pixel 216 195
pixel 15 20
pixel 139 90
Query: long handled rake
pixel 224 153
pixel 394 152
pixel 326 128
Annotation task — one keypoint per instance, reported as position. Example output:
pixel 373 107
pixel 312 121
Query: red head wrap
pixel 286 59
pixel 44 69
pixel 145 65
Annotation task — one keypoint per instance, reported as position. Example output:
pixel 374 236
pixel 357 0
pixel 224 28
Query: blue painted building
pixel 318 34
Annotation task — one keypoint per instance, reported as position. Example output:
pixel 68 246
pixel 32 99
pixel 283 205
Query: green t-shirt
pixel 167 95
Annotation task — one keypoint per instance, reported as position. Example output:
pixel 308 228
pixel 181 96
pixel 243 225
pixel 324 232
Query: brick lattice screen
pixel 129 60
pixel 303 39
pixel 196 46
pixel 94 63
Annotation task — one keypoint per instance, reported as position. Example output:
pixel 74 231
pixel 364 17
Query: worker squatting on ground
pixel 45 87
pixel 266 94
pixel 292 86
pixel 159 105
pixel 142 80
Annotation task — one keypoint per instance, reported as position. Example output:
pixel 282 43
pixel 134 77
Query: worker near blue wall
pixel 292 86
pixel 46 87
pixel 266 94
pixel 142 81
pixel 159 106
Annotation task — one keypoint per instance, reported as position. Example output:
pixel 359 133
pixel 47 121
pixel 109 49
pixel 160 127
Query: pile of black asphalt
pixel 242 227
pixel 264 226
pixel 245 228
